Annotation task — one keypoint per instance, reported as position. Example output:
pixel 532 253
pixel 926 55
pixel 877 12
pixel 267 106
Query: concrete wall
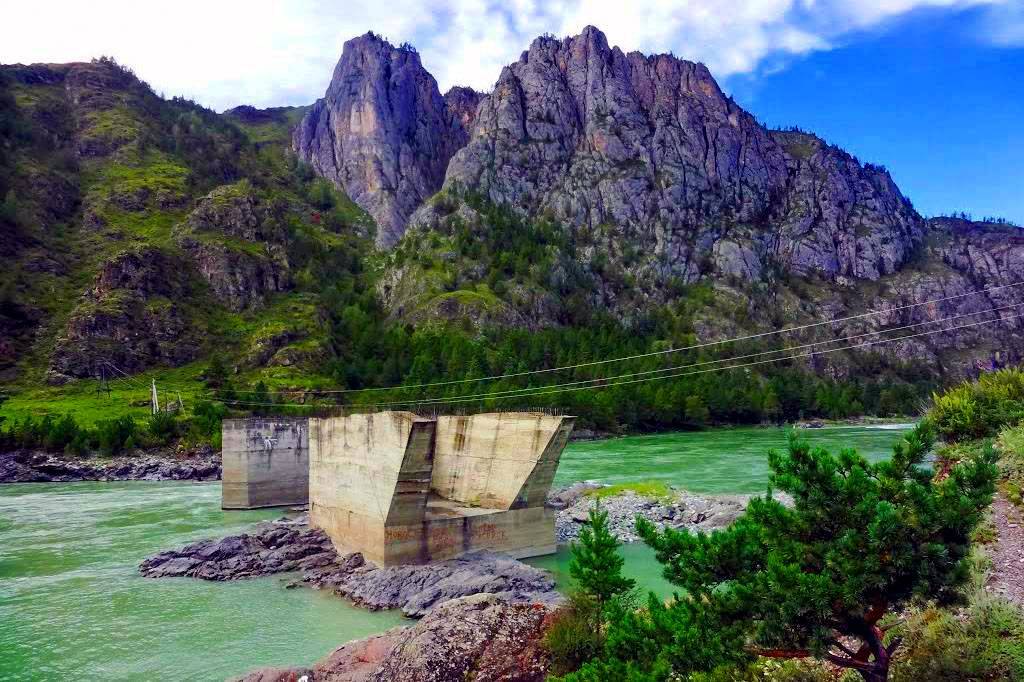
pixel 368 471
pixel 498 460
pixel 265 462
pixel 405 489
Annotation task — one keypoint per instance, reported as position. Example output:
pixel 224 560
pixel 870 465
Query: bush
pixel 574 636
pixel 986 643
pixel 204 427
pixel 979 408
pixel 163 427
pixel 112 435
pixel 61 433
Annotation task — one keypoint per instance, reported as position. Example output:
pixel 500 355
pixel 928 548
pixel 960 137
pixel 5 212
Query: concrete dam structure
pixel 404 489
pixel 265 462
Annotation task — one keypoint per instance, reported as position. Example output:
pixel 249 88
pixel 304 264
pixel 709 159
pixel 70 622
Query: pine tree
pixel 813 580
pixel 596 565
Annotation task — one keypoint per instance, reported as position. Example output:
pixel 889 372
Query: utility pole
pixel 155 402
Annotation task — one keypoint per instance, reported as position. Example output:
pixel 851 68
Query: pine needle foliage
pixel 596 564
pixel 817 579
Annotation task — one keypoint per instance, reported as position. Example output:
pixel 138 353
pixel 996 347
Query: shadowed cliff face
pixel 383 131
pixel 649 150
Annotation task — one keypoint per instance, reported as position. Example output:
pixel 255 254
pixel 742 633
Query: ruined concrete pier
pixel 406 489
pixel 265 462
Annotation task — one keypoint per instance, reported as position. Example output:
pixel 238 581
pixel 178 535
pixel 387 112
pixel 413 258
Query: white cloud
pixel 271 53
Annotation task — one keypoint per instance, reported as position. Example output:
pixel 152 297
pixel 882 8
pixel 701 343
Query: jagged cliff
pixel 383 132
pixel 589 184
pixel 646 150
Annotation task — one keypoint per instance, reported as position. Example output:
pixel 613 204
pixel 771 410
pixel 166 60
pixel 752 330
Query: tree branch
pixel 849 662
pixel 780 653
pixel 848 652
pixel 894 645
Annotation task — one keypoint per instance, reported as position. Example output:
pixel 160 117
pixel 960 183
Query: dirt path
pixel 1007 576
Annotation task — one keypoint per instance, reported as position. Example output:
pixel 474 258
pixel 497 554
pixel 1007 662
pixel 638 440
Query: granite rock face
pixel 478 638
pixel 132 317
pixel 252 262
pixel 648 151
pixel 383 132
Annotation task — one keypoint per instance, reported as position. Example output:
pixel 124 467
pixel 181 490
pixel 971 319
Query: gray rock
pixel 687 511
pixel 651 146
pixel 282 547
pixel 479 637
pixel 25 467
pixel 383 132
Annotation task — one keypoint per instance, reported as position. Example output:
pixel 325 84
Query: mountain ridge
pixel 595 201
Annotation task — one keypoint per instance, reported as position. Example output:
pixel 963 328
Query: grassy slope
pixel 168 183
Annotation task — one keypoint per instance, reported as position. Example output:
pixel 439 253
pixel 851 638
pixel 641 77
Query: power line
pixel 784 330
pixel 713 369
pixel 565 388
pixel 529 390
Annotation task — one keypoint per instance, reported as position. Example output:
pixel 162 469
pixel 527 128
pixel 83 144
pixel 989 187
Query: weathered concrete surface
pixel 403 489
pixel 265 462
pixel 498 460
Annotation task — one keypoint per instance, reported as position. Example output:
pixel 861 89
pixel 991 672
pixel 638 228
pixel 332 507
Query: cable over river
pixel 73 606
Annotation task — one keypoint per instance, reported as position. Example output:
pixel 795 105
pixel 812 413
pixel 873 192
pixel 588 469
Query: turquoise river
pixel 73 607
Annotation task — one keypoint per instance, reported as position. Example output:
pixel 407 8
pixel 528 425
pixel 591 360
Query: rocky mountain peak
pixel 648 151
pixel 382 132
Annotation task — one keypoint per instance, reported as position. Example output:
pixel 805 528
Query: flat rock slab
pixel 291 546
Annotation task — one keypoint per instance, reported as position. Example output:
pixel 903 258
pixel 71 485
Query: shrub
pixel 61 433
pixel 163 427
pixel 204 427
pixel 113 434
pixel 985 643
pixel 574 636
pixel 980 408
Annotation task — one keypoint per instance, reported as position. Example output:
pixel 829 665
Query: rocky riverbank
pixel 160 465
pixel 680 510
pixel 482 616
pixel 290 545
pixel 479 637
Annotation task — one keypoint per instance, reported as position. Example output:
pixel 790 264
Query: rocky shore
pixel 290 545
pixel 482 616
pixel 680 510
pixel 479 637
pixel 162 465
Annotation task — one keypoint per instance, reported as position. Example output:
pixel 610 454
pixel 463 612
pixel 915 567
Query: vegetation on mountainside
pixel 534 288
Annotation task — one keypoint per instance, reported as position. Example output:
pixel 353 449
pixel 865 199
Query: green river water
pixel 73 607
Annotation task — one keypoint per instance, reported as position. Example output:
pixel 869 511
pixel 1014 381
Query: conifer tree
pixel 817 579
pixel 596 565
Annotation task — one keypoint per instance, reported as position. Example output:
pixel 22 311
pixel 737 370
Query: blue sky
pixel 929 88
pixel 926 96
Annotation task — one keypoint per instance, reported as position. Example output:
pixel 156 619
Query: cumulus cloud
pixel 272 53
